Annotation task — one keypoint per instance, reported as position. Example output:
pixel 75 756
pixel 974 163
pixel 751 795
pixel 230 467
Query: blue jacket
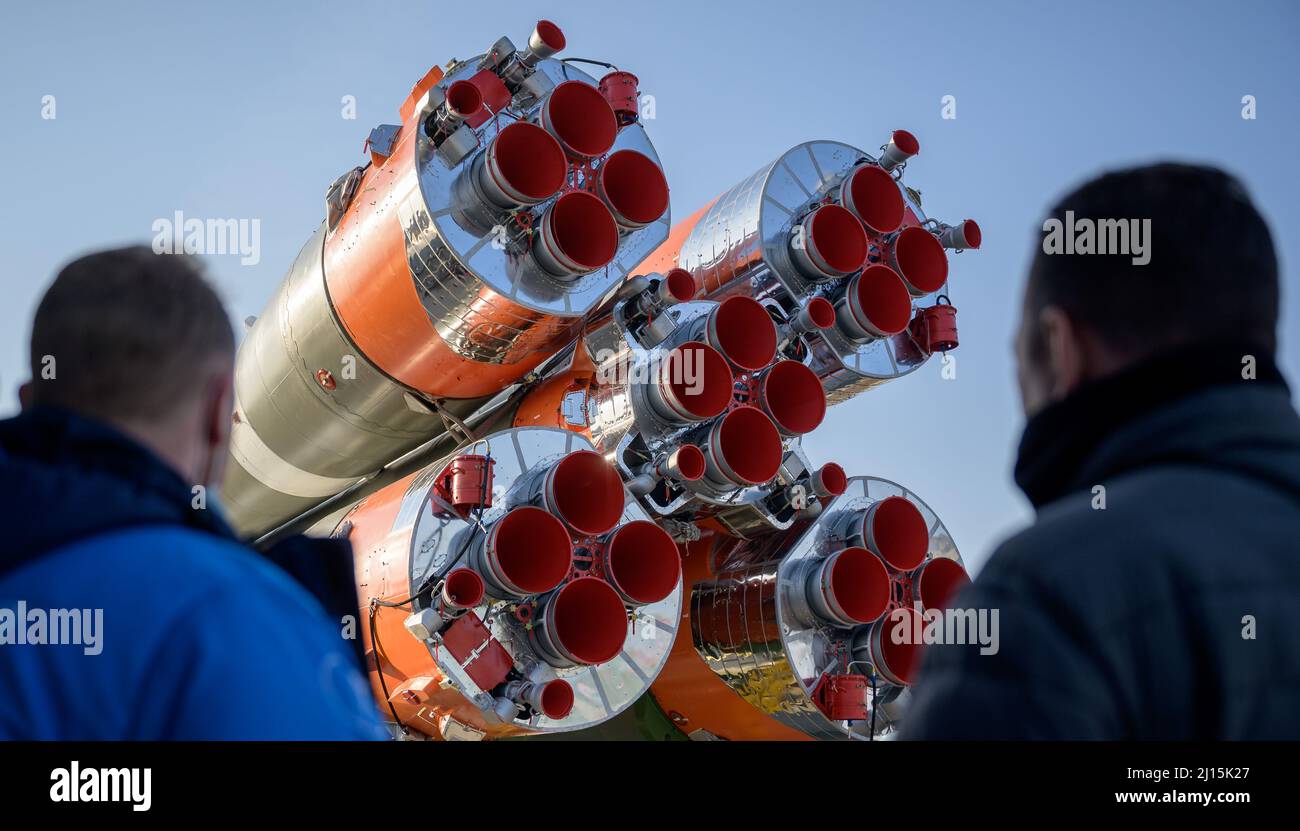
pixel 180 632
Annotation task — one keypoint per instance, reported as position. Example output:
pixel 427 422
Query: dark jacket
pixel 191 635
pixel 1171 613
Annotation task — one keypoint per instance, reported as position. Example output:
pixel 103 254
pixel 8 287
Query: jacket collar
pixel 1189 404
pixel 66 476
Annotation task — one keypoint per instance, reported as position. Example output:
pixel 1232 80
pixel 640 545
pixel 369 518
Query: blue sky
pixel 234 110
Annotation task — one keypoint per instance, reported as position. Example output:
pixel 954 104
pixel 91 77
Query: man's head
pixel 1211 274
pixel 139 340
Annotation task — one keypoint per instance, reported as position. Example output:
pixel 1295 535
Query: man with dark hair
pixel 1155 597
pixel 128 610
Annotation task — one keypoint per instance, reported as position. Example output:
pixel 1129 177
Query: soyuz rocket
pixel 563 435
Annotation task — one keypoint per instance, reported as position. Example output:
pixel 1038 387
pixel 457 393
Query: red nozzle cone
pixel 582 622
pixel 463 589
pixel 792 395
pixel 527 551
pixel 585 492
pixel 686 463
pixel 642 562
pixel 830 480
pixel 464 99
pixel 548 36
pixel 580 119
pixel 556 699
pixel 523 165
pixel 897 662
pixel 967 234
pixel 850 587
pixel 817 313
pixel 679 285
pixel 578 235
pixel 634 188
pixel 744 448
pixel 694 384
pixel 829 243
pixel 895 529
pixel 919 258
pixel 902 146
pixel 873 196
pixel 906 142
pixel 742 330
pixel 939 581
pixel 876 304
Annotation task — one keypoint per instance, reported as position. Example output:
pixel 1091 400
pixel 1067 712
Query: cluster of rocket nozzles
pixel 883 567
pixel 560 559
pixel 726 376
pixel 562 152
pixel 858 229
pixel 513 226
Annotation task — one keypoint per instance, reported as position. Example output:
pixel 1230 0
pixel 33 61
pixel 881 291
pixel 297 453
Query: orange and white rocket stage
pixel 559 433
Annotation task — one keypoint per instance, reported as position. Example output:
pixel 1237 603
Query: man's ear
pixel 219 408
pixel 25 395
pixel 1067 354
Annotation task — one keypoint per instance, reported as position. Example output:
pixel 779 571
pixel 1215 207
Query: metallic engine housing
pixel 494 304
pixel 436 544
pixel 741 246
pixel 745 624
pixel 625 428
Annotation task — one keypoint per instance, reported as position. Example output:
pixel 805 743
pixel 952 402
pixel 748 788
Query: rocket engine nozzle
pixel 742 449
pixel 522 166
pixel 849 588
pixel 965 234
pixel 742 330
pixel 463 100
pixel 463 589
pixel 584 622
pixel 685 464
pixel 791 394
pixel 829 242
pixel 896 662
pixel 918 257
pixel 873 196
pixel 894 529
pixel 581 120
pixel 875 304
pixel 578 235
pixel 677 286
pixel 938 582
pixel 585 492
pixel 642 563
pixel 817 314
pixel 553 699
pixel 528 551
pixel 902 146
pixel 634 188
pixel 829 480
pixel 545 41
pixel 694 383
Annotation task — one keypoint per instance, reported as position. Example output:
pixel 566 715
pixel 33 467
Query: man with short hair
pixel 167 627
pixel 1157 595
